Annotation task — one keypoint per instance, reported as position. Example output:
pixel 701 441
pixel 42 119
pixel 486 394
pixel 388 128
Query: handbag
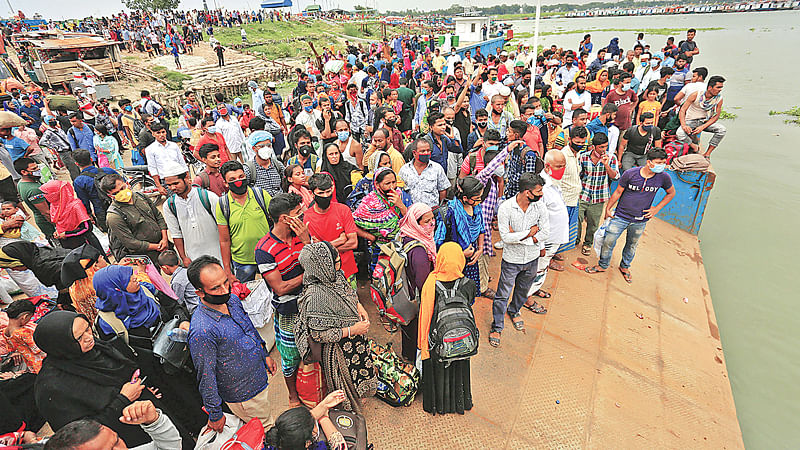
pixel 211 440
pixel 690 162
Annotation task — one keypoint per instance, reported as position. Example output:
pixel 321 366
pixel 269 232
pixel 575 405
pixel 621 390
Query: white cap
pixel 505 91
pixel 504 53
pixel 172 169
pixel 271 85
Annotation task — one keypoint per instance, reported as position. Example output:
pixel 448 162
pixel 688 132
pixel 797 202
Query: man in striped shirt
pixel 597 168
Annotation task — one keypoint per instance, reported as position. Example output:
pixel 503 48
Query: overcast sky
pixel 52 9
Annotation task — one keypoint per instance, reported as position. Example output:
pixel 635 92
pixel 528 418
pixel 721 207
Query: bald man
pixel 554 165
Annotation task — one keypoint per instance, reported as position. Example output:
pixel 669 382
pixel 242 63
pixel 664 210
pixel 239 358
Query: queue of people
pixel 450 160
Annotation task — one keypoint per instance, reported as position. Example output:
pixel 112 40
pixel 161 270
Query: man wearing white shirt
pixel 232 133
pixel 523 222
pixel 491 87
pixel 554 166
pixel 578 98
pixel 160 154
pixel 568 71
pixel 189 214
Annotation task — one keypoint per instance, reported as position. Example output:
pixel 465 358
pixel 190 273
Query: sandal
pixel 494 341
pixel 626 274
pixel 556 266
pixel 388 325
pixel 594 269
pixel 519 324
pixel 558 257
pixel 535 308
pixel 541 293
pixel 586 250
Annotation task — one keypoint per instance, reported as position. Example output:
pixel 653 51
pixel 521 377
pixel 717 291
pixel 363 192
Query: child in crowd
pixel 297 181
pixel 19 334
pixel 650 104
pixel 27 232
pixel 179 281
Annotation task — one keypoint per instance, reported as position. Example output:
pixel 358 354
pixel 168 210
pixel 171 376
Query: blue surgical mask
pixel 492 148
pixel 308 108
pixel 644 63
pixel 424 158
pixel 538 112
pixel 647 128
pixel 626 87
pixel 654 62
pixel 343 135
pixel 212 129
pixel 423 91
pixel 658 168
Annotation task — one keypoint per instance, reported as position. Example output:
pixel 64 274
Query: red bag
pixel 310 384
pixel 240 290
pixel 249 437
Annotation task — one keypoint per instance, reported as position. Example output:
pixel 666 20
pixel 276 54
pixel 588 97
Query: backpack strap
pixel 171 205
pixel 225 207
pixel 203 193
pixel 113 321
pixel 473 161
pixel 251 166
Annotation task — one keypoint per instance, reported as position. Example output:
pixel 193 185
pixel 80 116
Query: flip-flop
pixel 541 293
pixel 556 266
pixel 626 275
pixel 593 270
pixel 494 341
pixel 519 325
pixel 586 250
pixel 535 308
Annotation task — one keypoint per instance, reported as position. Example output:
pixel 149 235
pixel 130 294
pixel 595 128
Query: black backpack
pixel 453 335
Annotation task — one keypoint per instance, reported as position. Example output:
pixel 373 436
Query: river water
pixel 749 237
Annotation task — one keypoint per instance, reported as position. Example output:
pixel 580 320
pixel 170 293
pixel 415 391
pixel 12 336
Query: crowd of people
pixel 451 158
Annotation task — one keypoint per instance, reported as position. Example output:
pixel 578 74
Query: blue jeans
pixel 518 277
pixel 244 272
pixel 613 231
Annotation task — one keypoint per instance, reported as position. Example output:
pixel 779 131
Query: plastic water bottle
pixel 178 335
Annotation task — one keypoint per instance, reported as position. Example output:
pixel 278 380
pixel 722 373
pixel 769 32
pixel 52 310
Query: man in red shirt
pixel 532 137
pixel 624 98
pixel 211 136
pixel 332 222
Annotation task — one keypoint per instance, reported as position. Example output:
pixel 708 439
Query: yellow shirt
pixel 648 106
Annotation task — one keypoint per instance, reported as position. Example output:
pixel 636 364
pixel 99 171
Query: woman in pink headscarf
pixel 67 213
pixel 416 231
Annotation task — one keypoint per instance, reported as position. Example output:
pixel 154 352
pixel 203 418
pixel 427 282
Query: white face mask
pixel 265 153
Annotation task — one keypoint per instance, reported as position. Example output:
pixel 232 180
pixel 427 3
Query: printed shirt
pixel 229 355
pixel 515 168
pixel 594 180
pixel 22 342
pixel 424 187
pixel 272 253
pixel 639 193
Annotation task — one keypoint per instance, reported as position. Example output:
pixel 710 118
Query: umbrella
pixel 333 66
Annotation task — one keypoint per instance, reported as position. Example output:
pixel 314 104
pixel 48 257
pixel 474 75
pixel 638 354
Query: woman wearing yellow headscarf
pixel 445 387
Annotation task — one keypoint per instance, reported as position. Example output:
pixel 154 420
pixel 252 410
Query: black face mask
pixel 576 147
pixel 238 187
pixel 534 199
pixel 216 299
pixel 323 202
pixel 450 121
pixel 482 124
pixel 391 123
pixel 305 150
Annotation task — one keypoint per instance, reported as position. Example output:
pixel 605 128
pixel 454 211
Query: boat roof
pixel 57 40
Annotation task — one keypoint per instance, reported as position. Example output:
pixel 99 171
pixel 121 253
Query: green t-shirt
pixel 30 193
pixel 247 226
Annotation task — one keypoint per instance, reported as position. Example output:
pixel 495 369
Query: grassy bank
pixel 172 79
pixel 312 31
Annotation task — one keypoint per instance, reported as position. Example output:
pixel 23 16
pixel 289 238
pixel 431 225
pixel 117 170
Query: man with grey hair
pixel 554 164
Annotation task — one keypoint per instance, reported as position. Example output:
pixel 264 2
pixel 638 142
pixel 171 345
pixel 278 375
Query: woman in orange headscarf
pixel 597 86
pixel 445 386
pixel 73 224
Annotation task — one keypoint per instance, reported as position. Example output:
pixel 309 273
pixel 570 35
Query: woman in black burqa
pixel 84 378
